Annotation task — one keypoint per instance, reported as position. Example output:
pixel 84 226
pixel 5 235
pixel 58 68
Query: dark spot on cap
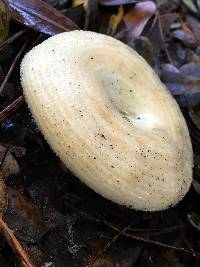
pixel 103 136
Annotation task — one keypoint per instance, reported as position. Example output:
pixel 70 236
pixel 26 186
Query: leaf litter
pixel 52 219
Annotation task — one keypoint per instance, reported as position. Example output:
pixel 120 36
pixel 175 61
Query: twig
pixel 190 247
pixel 111 242
pixel 160 230
pixel 4 156
pixel 154 242
pixel 163 39
pixel 16 245
pixel 12 39
pixel 154 22
pixel 10 109
pixel 12 67
pixel 36 40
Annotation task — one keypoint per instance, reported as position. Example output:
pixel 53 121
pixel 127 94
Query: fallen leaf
pixel 144 47
pixel 185 86
pixel 135 20
pixel 198 4
pixel 191 69
pixel 194 220
pixel 196 185
pixel 3 196
pixel 53 3
pixel 9 164
pixel 10 109
pixel 4 20
pixel 187 38
pixel 77 14
pixel 196 167
pixel 195 137
pixel 115 20
pixel 36 254
pixel 190 5
pixel 19 152
pixel 91 9
pixel 128 257
pixel 159 35
pixel 40 16
pixel 167 21
pixel 23 216
pixel 195 26
pixel 97 255
pixel 195 116
pixel 177 82
pixel 162 3
pixel 116 2
pixel 77 2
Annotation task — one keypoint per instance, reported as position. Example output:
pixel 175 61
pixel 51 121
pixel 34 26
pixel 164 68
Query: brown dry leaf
pixel 77 14
pixel 135 20
pixel 40 16
pixel 183 83
pixel 190 5
pixel 166 21
pixel 115 20
pixel 91 9
pixel 23 216
pixel 97 255
pixel 9 165
pixel 196 186
pixel 179 83
pixel 194 220
pixel 195 136
pixel 10 109
pixel 4 20
pixel 3 197
pixel 195 27
pixel 187 38
pixel 77 2
pixel 145 48
pixel 195 116
pixel 198 4
pixel 159 34
pixel 191 69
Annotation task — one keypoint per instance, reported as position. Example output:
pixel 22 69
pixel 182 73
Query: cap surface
pixel 109 119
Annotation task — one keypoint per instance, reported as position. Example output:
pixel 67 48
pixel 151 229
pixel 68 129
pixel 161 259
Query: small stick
pixel 163 40
pixel 12 67
pixel 9 110
pixel 15 244
pixel 160 230
pixel 154 242
pixel 12 39
pixel 110 243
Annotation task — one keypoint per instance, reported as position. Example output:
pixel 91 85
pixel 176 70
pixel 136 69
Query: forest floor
pixel 50 218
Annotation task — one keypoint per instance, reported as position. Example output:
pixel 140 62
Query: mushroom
pixel 108 117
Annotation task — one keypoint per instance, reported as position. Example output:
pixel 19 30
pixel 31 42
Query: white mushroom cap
pixel 108 117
